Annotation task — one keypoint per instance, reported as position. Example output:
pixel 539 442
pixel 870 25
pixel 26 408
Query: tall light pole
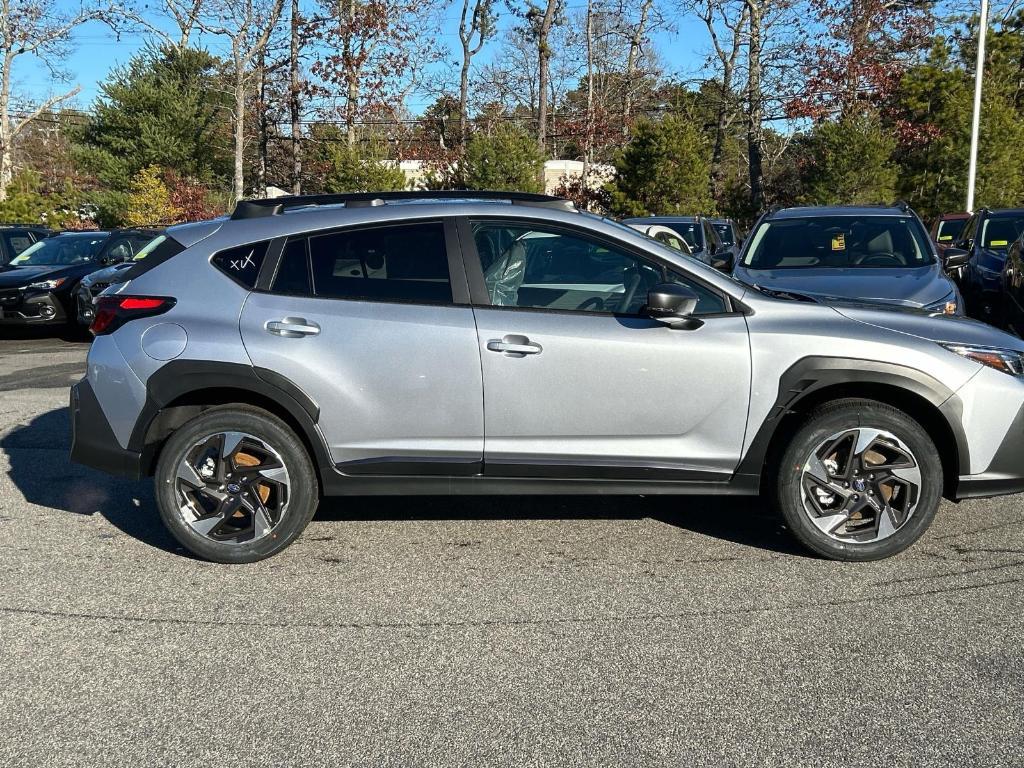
pixel 979 71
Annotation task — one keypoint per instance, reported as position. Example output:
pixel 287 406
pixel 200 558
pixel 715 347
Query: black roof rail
pixel 272 206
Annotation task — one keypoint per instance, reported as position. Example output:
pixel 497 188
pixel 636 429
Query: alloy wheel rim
pixel 232 487
pixel 860 485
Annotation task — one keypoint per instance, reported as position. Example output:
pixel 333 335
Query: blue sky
pixel 97 50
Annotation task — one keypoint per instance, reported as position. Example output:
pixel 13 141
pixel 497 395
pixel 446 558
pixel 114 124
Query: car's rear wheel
pixel 235 485
pixel 860 480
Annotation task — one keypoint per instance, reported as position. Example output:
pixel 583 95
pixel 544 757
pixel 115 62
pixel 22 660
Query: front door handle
pixel 292 327
pixel 514 344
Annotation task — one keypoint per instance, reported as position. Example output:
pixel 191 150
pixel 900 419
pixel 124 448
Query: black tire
pixel 302 491
pixel 833 418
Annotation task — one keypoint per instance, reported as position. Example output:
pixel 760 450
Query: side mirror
pixel 672 304
pixel 955 257
pixel 724 260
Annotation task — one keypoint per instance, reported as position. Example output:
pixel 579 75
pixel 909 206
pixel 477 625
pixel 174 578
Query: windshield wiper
pixel 789 295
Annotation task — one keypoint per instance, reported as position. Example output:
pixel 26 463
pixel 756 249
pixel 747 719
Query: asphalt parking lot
pixel 478 632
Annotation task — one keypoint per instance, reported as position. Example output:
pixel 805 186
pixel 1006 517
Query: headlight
pixel 48 285
pixel 1006 360
pixel 946 305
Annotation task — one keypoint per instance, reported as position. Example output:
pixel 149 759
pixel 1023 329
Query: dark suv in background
pixel 36 287
pixel 15 238
pixel 983 245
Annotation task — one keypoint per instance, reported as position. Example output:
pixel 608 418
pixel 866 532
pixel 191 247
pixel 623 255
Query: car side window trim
pixel 456 271
pixel 481 297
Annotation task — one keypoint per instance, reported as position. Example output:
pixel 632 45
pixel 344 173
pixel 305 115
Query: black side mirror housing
pixel 673 304
pixel 955 257
pixel 724 260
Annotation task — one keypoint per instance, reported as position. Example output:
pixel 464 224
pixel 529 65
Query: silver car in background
pixel 426 343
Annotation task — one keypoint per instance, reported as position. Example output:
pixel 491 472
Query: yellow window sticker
pixel 839 242
pixel 997 243
pixel 944 238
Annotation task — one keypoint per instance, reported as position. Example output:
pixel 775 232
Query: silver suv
pixel 485 343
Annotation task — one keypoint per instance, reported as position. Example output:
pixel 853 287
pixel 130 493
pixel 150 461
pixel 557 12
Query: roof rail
pixel 253 209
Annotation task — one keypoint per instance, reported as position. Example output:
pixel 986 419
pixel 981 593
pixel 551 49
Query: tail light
pixel 114 311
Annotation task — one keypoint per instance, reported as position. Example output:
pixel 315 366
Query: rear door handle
pixel 515 344
pixel 292 327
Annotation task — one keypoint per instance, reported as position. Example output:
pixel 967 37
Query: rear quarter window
pixel 242 263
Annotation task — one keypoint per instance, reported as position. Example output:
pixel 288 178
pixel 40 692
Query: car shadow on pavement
pixel 42 472
pixel 72 333
pixel 747 521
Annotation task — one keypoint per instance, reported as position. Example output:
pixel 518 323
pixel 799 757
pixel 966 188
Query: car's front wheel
pixel 235 485
pixel 860 480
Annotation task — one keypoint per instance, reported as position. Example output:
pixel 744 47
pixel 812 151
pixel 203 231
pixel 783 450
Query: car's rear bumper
pixel 92 440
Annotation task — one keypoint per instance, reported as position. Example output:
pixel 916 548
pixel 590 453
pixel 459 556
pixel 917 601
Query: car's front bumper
pixel 92 440
pixel 1005 472
pixel 987 413
pixel 31 308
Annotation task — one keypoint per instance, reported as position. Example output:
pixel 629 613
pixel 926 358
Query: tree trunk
pixel 721 124
pixel 636 38
pixel 351 75
pixel 464 92
pixel 238 183
pixel 755 108
pixel 588 136
pixel 264 129
pixel 544 71
pixel 6 139
pixel 293 102
pixel 465 37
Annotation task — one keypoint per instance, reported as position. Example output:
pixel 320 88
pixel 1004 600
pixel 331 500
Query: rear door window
pixel 406 262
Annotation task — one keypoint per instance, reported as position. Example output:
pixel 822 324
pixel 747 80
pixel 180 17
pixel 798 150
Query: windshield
pixel 62 250
pixel 999 231
pixel 949 230
pixel 725 232
pixel 839 242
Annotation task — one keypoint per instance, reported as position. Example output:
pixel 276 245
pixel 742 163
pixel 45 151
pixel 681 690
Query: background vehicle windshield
pixel 839 242
pixel 725 232
pixel 689 231
pixel 149 247
pixel 949 230
pixel 62 250
pixel 999 231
